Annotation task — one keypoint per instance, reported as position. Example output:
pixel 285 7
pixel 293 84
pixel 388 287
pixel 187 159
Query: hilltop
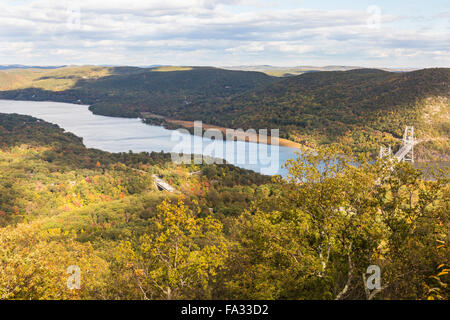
pixel 298 70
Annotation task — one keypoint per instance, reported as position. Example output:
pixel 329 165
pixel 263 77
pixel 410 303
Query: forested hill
pixel 356 107
pixel 127 91
pixel 362 108
pixel 345 97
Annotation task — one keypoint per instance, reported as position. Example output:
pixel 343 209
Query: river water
pixel 123 134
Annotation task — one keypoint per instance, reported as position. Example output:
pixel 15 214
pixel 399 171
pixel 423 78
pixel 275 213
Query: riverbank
pixel 151 118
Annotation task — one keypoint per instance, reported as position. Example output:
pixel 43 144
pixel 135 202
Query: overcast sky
pixel 394 33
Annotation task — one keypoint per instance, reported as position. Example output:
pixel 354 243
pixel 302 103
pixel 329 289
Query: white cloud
pixel 216 32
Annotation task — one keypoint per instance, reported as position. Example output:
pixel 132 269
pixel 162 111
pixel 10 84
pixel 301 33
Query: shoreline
pixel 241 136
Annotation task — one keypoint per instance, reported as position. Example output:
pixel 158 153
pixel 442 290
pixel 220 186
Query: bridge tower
pixel 385 152
pixel 409 140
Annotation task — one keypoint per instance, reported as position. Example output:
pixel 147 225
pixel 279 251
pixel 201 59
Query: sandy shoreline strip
pixel 241 136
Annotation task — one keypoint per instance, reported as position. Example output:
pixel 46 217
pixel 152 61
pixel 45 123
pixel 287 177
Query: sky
pixel 390 34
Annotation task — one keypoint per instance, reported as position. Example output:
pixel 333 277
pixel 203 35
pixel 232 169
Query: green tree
pixel 334 216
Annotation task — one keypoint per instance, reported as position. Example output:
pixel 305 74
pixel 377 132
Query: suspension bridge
pixel 406 151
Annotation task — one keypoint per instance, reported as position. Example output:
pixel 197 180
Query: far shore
pixel 241 136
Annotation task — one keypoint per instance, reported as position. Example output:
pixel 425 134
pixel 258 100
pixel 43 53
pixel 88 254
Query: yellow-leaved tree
pixel 34 264
pixel 178 260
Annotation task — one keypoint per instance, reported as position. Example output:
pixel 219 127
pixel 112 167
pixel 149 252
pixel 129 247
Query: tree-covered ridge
pixel 17 129
pixel 227 233
pixel 128 91
pixel 362 108
pixel 349 97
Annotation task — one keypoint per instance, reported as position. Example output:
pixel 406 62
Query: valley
pixel 101 190
pixel 362 108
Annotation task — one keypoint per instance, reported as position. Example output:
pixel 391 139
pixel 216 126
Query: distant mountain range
pixel 20 66
pixel 268 69
pixel 297 70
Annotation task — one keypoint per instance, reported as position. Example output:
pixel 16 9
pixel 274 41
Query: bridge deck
pixel 403 151
pixel 162 184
